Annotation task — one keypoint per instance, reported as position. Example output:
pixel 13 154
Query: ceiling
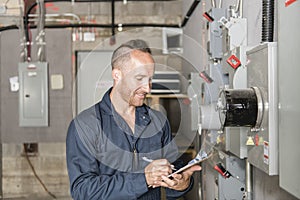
pixel 101 13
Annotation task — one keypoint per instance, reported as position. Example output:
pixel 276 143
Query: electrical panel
pixel 234 186
pixel 255 108
pixel 216 33
pixel 194 92
pixel 262 75
pixel 33 94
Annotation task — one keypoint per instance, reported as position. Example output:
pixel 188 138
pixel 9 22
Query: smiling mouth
pixel 143 95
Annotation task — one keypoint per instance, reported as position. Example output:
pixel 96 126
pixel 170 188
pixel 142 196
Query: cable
pixel 35 174
pixel 11 27
pixel 190 12
pixel 113 18
pixel 90 25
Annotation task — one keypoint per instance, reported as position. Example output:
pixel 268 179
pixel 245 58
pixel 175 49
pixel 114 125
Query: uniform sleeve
pixel 86 182
pixel 172 148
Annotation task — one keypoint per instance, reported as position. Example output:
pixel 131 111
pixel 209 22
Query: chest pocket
pixel 151 147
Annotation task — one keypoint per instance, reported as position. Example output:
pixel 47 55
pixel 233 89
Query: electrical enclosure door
pixel 93 77
pixel 289 96
pixel 33 94
pixel 262 73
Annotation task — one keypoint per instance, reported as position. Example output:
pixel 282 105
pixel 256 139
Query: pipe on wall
pixel 26 21
pixel 267 21
pixel 249 181
pixel 40 38
pixel 190 12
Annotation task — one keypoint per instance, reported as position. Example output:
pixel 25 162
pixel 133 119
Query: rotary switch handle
pixel 219 168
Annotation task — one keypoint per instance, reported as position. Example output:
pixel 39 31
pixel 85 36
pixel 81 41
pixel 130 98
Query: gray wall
pixel 17 177
pixel 58 55
pixel 194 40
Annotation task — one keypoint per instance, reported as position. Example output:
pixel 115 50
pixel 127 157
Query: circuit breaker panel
pixel 33 94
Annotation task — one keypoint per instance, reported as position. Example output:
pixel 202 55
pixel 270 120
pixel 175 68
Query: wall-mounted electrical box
pixel 256 109
pixel 262 74
pixel 234 186
pixel 216 34
pixel 33 94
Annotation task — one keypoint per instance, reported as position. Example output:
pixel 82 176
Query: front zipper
pixel 135 160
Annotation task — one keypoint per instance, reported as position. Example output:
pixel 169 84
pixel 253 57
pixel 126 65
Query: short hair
pixel 121 56
pixel 139 44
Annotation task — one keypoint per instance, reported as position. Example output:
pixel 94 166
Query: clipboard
pixel 198 159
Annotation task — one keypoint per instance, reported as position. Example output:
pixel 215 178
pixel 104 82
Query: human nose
pixel 147 86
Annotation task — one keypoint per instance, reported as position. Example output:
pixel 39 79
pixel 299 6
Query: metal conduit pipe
pixel 249 189
pixel 239 8
pixel 24 53
pixel 213 3
pixel 106 25
pixel 220 4
pixel 76 17
pixel 186 18
pixel 40 38
pixel 267 20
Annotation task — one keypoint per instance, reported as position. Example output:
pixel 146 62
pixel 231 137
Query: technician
pixel 120 148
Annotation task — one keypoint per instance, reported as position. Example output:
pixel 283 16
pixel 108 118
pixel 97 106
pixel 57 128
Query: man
pixel 120 148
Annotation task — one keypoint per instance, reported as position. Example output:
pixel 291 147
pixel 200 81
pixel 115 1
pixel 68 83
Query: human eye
pixel 139 78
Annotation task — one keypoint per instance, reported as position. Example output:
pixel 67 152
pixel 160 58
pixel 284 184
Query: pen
pixel 150 160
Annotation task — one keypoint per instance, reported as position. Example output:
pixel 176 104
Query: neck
pixel 122 107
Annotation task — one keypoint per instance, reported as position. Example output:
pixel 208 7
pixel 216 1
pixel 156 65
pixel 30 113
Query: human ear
pixel 116 74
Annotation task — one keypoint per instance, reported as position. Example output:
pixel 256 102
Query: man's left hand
pixel 179 181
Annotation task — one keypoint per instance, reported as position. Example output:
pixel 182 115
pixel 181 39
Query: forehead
pixel 141 62
pixel 146 70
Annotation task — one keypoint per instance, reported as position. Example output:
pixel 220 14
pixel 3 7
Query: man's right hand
pixel 155 170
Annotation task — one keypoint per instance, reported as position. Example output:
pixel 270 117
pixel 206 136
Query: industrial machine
pixel 237 103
